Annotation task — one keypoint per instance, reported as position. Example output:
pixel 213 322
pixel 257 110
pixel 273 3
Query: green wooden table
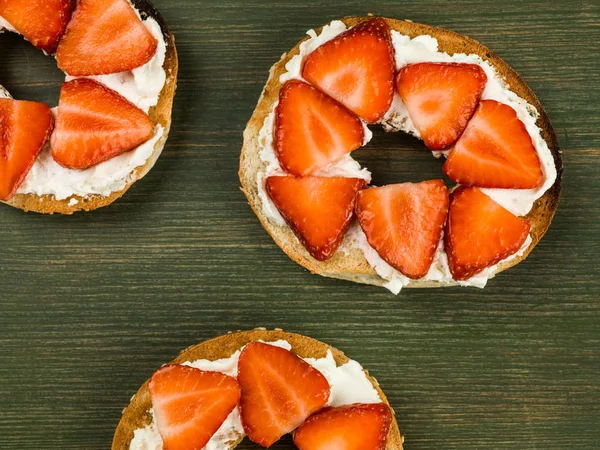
pixel 91 305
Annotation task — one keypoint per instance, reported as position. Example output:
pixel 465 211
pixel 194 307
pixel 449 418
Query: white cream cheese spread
pixel 4 25
pixel 409 51
pixel 349 384
pixel 142 87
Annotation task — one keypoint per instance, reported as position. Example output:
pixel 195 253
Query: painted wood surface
pixel 91 305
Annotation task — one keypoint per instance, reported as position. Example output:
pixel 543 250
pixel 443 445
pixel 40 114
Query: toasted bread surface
pixel 136 415
pixel 353 266
pixel 159 114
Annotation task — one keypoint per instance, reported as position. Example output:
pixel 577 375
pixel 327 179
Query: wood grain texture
pixel 90 305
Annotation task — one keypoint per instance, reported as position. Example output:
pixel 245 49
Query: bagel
pixel 31 197
pixel 349 262
pixel 137 415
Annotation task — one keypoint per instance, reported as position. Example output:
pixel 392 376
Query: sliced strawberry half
pixel 41 22
pixel 104 36
pixel 24 130
pixel 94 123
pixel 495 151
pixel 190 405
pixel 480 233
pixel 352 427
pixel 318 209
pixel 312 130
pixel 356 68
pixel 404 223
pixel 441 98
pixel 279 391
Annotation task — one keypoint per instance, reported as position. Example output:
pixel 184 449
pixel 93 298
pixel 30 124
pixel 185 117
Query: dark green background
pixel 91 305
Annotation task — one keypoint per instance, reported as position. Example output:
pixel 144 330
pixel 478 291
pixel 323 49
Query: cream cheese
pixel 349 384
pixel 4 93
pixel 47 177
pixel 5 25
pixel 409 51
pixel 142 87
pixel 438 272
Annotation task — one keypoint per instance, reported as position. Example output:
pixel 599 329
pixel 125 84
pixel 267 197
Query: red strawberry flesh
pixel 441 98
pixel 312 130
pixel 352 427
pixel 190 405
pixel 480 233
pixel 103 37
pixel 41 22
pixel 404 223
pixel 279 391
pixel 495 151
pixel 25 127
pixel 94 124
pixel 356 68
pixel 318 209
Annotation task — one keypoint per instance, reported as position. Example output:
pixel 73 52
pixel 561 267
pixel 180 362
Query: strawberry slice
pixel 480 233
pixel 279 391
pixel 312 130
pixel 104 36
pixel 404 223
pixel 495 151
pixel 356 68
pixel 441 98
pixel 318 209
pixel 190 405
pixel 24 130
pixel 94 123
pixel 41 22
pixel 351 427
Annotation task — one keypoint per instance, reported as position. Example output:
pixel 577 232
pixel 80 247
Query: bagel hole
pixel 399 158
pixel 27 73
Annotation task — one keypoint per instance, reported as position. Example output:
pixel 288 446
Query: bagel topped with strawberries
pixel 114 111
pixel 466 105
pixel 260 384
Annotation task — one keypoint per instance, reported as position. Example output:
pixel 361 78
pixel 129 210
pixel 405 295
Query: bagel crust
pixel 137 415
pixel 352 265
pixel 159 114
